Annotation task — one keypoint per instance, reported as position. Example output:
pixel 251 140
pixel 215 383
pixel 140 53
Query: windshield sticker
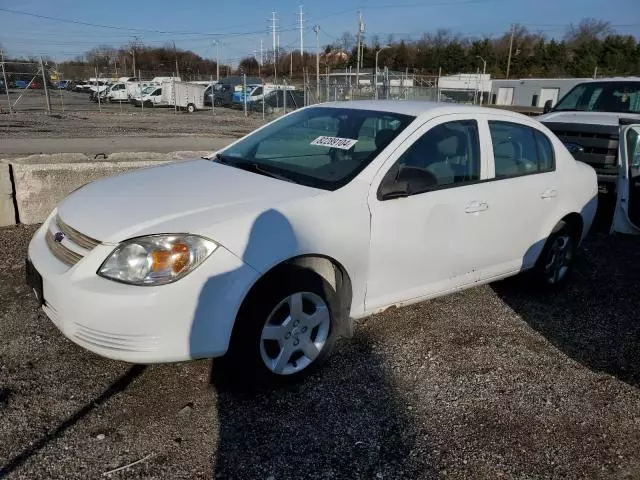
pixel 335 142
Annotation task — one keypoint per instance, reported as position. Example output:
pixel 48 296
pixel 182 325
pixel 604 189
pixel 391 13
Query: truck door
pixel 626 218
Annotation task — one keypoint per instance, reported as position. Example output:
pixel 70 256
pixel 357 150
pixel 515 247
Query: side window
pixel 448 154
pixel 515 150
pixel 256 92
pixel 546 158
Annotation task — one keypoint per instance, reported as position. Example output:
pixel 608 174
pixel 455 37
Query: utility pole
pixel 513 27
pixel 316 29
pixel 360 32
pixel 46 89
pixel 175 53
pixel 274 29
pixel 133 53
pixel 261 55
pixel 6 85
pixel 217 43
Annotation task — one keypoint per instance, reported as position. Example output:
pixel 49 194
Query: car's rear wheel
pixel 285 330
pixel 555 264
pixel 217 102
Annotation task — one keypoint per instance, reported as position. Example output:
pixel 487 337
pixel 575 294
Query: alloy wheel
pixel 559 259
pixel 295 333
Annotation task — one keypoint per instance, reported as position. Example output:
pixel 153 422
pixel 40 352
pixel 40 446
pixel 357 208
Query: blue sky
pixel 242 24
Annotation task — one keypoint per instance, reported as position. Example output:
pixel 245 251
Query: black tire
pixel 243 364
pixel 191 108
pixel 545 274
pixel 217 102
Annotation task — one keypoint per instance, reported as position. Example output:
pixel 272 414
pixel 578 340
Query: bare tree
pixel 588 29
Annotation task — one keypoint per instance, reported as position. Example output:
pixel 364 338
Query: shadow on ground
pixel 595 320
pixel 347 421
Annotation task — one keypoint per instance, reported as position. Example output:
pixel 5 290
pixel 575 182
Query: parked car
pixel 220 94
pixel 82 87
pixel 268 250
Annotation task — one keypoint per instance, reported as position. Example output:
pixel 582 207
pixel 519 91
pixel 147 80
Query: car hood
pixel 182 197
pixel 590 118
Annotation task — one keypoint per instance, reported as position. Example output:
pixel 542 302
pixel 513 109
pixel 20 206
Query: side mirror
pixel 392 186
pixel 547 106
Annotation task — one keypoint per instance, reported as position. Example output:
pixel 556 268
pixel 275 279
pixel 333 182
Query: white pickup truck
pixel 599 123
pixel 588 118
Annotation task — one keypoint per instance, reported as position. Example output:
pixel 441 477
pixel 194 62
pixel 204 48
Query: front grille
pixel 599 143
pixel 62 253
pixel 72 247
pixel 75 236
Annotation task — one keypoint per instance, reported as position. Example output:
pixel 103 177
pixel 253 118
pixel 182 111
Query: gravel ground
pixel 492 382
pixel 82 118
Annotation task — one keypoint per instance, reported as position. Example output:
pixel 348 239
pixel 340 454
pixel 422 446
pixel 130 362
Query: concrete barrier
pixel 7 210
pixel 40 182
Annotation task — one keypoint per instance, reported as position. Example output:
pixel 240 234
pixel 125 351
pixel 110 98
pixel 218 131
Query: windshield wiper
pixel 249 166
pixel 257 168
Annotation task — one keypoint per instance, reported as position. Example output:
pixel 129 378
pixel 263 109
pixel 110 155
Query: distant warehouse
pixel 531 92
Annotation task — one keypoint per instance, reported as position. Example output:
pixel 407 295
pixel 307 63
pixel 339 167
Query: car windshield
pixel 621 97
pixel 147 90
pixel 321 147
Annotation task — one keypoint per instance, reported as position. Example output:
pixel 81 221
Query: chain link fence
pixel 38 86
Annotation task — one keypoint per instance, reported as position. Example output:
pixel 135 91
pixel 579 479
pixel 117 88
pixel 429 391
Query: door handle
pixel 476 207
pixel 551 193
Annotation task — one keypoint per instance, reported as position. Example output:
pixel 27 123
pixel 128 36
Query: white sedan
pixel 267 251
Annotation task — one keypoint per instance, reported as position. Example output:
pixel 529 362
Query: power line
pixel 115 27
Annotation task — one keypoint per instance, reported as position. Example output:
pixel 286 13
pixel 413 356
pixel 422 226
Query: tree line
pixel 588 48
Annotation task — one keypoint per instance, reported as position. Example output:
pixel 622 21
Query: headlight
pixel 156 259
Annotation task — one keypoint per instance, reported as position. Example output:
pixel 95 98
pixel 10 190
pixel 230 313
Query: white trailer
pixel 184 95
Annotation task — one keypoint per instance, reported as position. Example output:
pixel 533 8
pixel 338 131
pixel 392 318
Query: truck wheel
pixel 191 108
pixel 217 102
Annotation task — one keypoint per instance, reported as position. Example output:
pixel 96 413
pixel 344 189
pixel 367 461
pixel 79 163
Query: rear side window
pixel 546 158
pixel 519 150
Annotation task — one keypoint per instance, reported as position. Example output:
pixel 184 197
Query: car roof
pixel 418 108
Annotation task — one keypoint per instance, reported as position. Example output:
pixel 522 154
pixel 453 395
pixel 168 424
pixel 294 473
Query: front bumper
pixel 191 318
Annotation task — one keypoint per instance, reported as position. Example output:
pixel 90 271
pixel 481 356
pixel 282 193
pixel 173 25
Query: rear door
pixel 627 214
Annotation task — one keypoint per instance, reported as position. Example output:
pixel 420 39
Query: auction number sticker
pixel 335 142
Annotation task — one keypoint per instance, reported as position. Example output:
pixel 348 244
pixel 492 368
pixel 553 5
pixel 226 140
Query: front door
pixel 423 240
pixel 627 214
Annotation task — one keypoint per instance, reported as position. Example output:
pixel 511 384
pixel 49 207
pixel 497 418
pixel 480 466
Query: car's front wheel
pixel 285 329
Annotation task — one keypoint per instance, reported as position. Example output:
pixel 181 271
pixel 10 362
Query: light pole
pixel 376 77
pixel 484 69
